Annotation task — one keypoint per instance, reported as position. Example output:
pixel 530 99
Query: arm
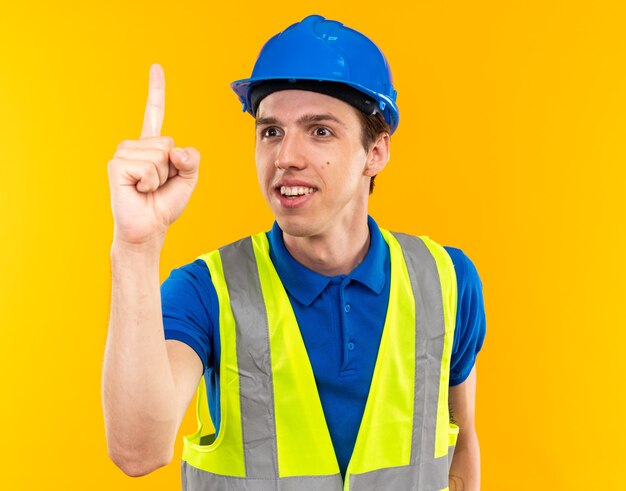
pixel 465 471
pixel 147 382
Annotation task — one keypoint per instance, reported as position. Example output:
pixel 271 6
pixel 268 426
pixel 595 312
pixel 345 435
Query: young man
pixel 331 354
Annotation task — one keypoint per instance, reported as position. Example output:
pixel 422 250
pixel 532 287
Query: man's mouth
pixel 295 191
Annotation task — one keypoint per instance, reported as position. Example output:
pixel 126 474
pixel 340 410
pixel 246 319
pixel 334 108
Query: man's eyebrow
pixel 262 121
pixel 304 119
pixel 316 118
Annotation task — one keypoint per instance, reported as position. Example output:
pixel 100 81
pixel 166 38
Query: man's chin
pixel 296 226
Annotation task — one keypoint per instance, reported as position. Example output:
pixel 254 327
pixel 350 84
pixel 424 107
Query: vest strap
pixel 256 386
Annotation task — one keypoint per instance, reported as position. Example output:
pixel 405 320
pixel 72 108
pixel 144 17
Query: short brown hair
pixel 371 128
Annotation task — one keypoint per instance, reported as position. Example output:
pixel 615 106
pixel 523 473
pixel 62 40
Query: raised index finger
pixel 155 106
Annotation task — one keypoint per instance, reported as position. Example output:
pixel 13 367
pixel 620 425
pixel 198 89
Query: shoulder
pixel 189 284
pixel 194 272
pixel 466 272
pixel 198 272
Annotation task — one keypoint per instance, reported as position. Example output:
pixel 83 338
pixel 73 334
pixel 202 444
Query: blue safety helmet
pixel 319 50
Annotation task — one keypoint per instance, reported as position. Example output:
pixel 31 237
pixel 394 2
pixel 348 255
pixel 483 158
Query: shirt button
pixel 347 308
pixel 350 346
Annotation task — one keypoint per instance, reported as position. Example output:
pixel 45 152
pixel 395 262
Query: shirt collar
pixel 306 285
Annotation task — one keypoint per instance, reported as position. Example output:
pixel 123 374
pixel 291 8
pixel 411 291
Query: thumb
pixel 186 160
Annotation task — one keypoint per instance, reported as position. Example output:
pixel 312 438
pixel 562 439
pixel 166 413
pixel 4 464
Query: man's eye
pixel 269 132
pixel 322 132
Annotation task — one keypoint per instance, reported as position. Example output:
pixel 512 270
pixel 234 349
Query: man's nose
pixel 290 152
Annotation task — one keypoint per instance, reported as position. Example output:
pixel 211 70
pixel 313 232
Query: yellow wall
pixel 511 147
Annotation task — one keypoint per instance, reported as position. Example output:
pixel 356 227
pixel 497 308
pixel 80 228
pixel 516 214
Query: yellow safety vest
pixel 273 434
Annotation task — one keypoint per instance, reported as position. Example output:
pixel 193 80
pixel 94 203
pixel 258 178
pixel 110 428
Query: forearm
pixel 465 471
pixel 139 398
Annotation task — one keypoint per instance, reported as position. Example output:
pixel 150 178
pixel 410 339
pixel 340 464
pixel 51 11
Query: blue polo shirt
pixel 341 319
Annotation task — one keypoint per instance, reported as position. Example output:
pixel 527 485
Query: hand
pixel 150 180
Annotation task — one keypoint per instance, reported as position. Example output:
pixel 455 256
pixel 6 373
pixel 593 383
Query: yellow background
pixel 511 147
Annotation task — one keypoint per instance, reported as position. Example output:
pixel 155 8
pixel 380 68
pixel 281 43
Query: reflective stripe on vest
pixel 273 434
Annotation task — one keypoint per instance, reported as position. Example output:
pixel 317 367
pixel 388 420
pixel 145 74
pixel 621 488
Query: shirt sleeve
pixel 189 308
pixel 470 329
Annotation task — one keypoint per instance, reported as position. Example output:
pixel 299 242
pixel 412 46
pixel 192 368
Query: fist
pixel 151 180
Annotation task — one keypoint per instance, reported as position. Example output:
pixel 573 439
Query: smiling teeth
pixel 295 191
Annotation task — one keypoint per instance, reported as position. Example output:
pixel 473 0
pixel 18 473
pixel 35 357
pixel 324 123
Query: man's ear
pixel 378 156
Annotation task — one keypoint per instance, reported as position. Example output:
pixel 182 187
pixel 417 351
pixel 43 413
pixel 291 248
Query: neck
pixel 334 252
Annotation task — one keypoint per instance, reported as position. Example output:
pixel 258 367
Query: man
pixel 328 349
